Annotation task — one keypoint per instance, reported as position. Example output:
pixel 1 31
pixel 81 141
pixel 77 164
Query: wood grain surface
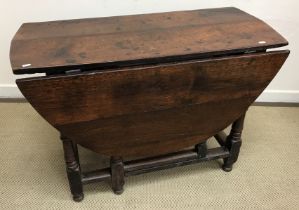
pixel 152 110
pixel 137 39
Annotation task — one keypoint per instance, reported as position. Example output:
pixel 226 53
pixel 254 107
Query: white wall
pixel 282 15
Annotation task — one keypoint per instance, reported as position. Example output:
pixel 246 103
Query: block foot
pixel 78 198
pixel 227 168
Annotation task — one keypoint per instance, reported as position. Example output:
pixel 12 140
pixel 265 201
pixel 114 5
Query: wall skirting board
pixel 286 96
pixel 10 91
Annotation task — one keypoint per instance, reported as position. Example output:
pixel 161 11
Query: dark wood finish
pixel 117 175
pixel 73 169
pixel 146 165
pixel 119 169
pixel 153 110
pixel 96 176
pixel 138 39
pixel 233 143
pixel 147 85
pixel 173 160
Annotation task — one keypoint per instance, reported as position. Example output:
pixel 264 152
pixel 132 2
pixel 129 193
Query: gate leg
pixel 233 143
pixel 73 168
pixel 117 175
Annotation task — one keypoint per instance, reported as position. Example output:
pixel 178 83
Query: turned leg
pixel 117 175
pixel 75 148
pixel 233 143
pixel 73 168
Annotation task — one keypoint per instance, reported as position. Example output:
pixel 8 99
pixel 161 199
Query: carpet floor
pixel 266 176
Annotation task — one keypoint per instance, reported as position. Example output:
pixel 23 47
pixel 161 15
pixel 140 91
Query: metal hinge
pixel 74 71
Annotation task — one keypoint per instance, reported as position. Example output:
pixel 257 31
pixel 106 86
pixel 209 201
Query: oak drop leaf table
pixel 146 86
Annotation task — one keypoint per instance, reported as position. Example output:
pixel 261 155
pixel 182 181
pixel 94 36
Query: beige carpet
pixel 32 174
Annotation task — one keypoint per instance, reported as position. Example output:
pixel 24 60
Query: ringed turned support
pixel 233 143
pixel 73 168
